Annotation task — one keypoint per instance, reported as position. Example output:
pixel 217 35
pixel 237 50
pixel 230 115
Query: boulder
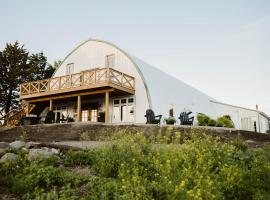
pixel 9 157
pixel 36 154
pixel 4 145
pixel 17 144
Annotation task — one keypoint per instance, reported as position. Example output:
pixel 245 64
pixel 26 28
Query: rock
pixel 4 145
pixel 35 154
pixel 53 150
pixel 31 144
pixel 250 141
pixel 9 157
pixel 2 152
pixel 17 144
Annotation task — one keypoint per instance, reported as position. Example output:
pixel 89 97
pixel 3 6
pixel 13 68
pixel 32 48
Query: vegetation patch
pixel 224 121
pixel 137 167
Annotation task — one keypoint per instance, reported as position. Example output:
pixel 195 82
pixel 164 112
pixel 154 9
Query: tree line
pixel 18 65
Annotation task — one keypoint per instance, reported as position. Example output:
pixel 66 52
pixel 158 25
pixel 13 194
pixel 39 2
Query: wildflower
pixel 182 184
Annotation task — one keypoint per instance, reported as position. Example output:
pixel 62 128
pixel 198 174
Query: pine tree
pixel 17 66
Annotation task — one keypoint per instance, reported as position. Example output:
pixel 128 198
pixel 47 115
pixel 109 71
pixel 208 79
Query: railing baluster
pixel 59 82
pixel 82 78
pixel 122 75
pixel 90 77
pixel 95 75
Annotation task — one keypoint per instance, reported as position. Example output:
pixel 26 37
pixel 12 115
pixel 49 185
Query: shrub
pixel 212 122
pixel 225 121
pixel 203 120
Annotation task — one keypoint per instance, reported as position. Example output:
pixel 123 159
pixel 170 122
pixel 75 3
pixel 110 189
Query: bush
pixel 225 121
pixel 203 120
pixel 212 122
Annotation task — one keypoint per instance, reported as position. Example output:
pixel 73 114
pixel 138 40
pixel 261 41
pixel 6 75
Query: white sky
pixel 220 47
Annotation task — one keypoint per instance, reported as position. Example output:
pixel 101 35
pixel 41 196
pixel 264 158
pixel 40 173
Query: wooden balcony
pixel 91 79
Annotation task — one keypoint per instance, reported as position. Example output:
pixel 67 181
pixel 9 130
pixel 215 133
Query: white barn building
pixel 98 77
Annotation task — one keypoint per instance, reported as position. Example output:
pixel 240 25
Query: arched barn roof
pixel 164 90
pixel 167 90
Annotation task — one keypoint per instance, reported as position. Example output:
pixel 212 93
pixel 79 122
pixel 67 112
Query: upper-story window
pixel 69 68
pixel 110 60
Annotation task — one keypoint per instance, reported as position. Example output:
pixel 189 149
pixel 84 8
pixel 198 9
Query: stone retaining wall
pixel 92 131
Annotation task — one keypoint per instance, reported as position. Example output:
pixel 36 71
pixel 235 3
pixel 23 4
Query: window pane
pixel 110 61
pixel 69 68
pixel 123 101
pixel 116 101
pixel 130 100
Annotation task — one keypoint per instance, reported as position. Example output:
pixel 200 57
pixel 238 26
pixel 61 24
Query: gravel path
pixel 83 144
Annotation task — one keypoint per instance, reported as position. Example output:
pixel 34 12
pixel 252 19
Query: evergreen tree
pixel 17 66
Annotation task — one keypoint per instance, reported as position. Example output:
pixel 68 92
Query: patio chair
pixel 49 117
pixel 151 118
pixel 185 119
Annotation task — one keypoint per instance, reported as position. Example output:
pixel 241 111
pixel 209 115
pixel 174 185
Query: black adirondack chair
pixel 185 119
pixel 151 118
pixel 49 117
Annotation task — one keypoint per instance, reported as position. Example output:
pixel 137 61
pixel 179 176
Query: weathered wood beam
pixel 51 104
pixel 79 109
pixel 107 114
pixel 71 95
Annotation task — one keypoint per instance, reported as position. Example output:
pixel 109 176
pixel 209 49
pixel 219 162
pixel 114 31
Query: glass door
pixel 93 115
pixel 116 114
pixel 84 115
pixel 124 110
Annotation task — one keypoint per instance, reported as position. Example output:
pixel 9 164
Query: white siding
pixel 242 118
pixel 264 124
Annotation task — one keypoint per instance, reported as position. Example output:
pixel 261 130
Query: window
pixel 110 61
pixel 116 101
pixel 69 68
pixel 130 100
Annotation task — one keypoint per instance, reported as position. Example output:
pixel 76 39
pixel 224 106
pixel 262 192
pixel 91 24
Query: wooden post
pixel 51 104
pixel 27 108
pixel 107 107
pixel 79 109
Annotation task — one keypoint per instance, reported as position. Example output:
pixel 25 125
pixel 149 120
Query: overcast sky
pixel 220 47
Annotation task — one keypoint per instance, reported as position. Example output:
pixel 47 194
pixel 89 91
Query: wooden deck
pixel 96 78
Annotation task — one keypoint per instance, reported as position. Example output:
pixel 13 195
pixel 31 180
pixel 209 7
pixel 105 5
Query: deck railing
pixel 93 77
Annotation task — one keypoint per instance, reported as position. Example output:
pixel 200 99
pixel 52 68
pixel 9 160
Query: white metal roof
pixel 166 90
